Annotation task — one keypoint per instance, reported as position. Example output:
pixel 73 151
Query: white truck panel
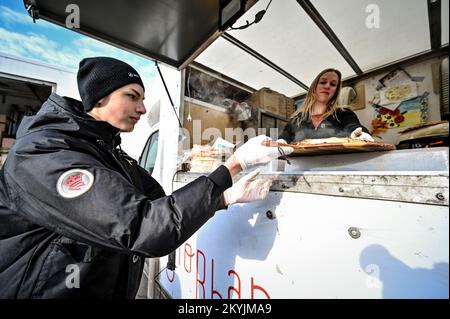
pixel 64 82
pixel 306 251
pixel 368 226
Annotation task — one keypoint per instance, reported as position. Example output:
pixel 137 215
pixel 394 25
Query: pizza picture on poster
pixel 409 112
pixel 398 93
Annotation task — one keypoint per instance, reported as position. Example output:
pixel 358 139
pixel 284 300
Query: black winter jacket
pixel 101 235
pixel 342 125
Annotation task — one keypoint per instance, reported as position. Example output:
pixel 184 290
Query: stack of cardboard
pixel 290 107
pixel 272 102
pixel 265 99
pixel 282 105
pixel 287 106
pixel 7 142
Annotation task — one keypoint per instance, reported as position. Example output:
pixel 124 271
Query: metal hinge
pixel 32 9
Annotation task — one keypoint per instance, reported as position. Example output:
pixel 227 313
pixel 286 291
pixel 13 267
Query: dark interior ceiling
pixel 166 30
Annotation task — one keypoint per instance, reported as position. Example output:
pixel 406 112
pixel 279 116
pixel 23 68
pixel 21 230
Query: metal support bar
pixel 168 93
pixel 263 59
pixel 32 9
pixel 423 56
pixel 434 19
pixel 203 68
pixel 325 28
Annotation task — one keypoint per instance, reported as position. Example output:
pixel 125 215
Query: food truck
pixel 359 224
pixel 24 85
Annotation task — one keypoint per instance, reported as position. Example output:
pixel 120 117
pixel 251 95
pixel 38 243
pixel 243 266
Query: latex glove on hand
pixel 247 189
pixel 282 141
pixel 254 153
pixel 358 133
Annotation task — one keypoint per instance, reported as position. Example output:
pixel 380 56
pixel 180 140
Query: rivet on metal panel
pixel 354 232
pixel 270 215
pixel 440 196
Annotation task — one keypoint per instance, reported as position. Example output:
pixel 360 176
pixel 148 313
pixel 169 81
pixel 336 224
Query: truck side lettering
pixel 232 288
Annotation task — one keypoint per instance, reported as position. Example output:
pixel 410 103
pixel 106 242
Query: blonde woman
pixel 320 116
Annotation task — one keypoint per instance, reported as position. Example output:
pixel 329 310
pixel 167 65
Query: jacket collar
pixel 67 114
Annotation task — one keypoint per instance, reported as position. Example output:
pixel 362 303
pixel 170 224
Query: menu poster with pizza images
pixel 410 112
pixel 398 93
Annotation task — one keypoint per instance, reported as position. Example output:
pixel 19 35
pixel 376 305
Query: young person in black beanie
pixel 78 216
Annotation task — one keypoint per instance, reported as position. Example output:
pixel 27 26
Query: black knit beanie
pixel 99 76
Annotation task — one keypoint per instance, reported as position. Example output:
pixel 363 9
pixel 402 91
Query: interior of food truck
pixel 246 66
pixel 268 52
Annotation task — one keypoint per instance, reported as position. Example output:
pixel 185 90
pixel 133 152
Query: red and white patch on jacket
pixel 74 183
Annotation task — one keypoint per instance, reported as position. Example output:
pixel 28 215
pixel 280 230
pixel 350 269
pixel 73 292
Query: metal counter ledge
pixel 413 175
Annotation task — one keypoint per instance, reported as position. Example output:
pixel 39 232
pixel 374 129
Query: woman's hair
pixel 307 105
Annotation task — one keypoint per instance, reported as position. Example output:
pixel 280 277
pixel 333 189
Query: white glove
pixel 254 153
pixel 247 189
pixel 358 133
pixel 282 141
